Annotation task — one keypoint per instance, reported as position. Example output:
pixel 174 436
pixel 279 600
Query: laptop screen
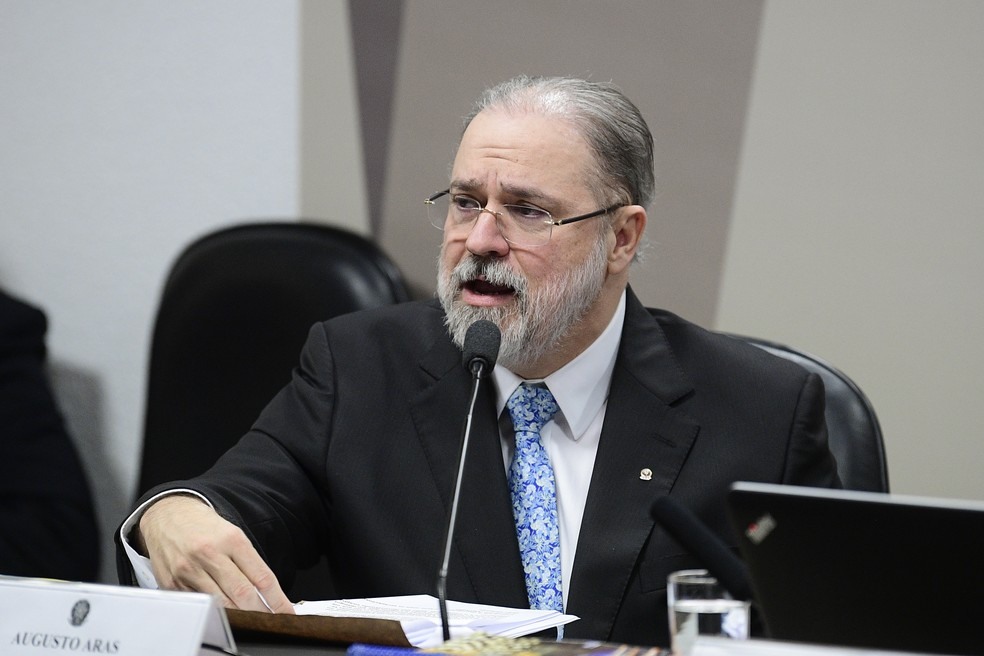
pixel 864 569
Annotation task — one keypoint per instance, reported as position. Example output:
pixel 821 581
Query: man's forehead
pixel 523 155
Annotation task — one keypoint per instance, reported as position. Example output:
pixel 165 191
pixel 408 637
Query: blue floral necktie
pixel 534 497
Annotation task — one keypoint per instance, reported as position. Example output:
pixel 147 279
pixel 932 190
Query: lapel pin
pixel 646 474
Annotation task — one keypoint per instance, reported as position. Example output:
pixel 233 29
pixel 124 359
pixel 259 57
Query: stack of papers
pixel 420 617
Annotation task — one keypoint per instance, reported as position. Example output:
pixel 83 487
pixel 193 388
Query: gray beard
pixel 538 321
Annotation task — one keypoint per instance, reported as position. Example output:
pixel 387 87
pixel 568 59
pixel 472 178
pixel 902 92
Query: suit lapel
pixel 644 443
pixel 485 565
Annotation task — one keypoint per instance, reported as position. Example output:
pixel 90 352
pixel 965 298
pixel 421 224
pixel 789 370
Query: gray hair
pixel 610 123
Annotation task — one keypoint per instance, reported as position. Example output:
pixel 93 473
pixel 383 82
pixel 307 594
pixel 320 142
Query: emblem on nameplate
pixel 79 612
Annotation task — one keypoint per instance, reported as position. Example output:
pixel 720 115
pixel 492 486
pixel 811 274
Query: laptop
pixel 864 569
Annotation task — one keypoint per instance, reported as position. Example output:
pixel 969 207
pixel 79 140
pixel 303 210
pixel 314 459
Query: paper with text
pixel 421 619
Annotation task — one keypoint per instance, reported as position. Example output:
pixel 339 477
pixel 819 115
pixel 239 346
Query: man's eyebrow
pixel 531 194
pixel 465 185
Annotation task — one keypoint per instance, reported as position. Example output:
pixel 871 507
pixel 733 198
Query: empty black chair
pixel 854 432
pixel 234 314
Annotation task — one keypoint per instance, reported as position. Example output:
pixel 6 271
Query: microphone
pixel 698 539
pixel 481 348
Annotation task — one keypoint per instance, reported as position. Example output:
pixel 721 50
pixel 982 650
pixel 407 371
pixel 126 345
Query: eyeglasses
pixel 522 225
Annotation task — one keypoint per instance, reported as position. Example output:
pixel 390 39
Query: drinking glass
pixel 700 606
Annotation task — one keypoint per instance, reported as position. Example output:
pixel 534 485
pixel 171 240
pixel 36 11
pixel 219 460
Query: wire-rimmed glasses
pixel 521 225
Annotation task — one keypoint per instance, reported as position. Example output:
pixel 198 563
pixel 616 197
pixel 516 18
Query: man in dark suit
pixel 355 458
pixel 47 523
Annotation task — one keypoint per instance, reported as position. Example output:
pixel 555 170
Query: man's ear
pixel 628 228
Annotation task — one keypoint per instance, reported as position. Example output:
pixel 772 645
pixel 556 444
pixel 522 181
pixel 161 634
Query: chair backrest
pixel 852 425
pixel 234 313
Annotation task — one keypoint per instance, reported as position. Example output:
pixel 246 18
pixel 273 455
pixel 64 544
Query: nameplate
pixel 40 617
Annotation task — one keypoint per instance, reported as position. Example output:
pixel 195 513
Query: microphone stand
pixel 477 367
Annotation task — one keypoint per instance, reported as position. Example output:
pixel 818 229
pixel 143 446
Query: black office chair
pixel 235 311
pixel 854 432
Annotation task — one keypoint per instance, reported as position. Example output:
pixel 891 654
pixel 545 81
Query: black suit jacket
pixel 355 458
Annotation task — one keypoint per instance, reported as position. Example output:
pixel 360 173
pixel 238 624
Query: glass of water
pixel 700 606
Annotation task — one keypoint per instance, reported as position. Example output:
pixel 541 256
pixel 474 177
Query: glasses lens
pixel 446 212
pixel 525 225
pixel 437 211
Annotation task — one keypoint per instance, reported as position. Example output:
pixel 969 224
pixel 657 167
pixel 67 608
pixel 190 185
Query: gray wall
pixel 819 172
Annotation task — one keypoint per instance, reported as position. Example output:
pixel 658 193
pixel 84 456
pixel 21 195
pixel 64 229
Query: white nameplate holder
pixel 39 617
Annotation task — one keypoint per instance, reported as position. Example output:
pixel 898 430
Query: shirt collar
pixel 580 387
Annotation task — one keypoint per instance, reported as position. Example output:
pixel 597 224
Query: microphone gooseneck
pixel 481 349
pixel 698 539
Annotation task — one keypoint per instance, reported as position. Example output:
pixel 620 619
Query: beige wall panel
pixel 686 64
pixel 331 181
pixel 858 217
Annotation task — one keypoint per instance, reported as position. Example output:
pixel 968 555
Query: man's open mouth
pixel 486 288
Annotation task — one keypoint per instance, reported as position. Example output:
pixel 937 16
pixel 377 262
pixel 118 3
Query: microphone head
pixel 481 347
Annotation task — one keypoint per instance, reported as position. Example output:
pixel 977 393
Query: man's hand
pixel 191 548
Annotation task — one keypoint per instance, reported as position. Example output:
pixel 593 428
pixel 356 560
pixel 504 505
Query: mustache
pixel 493 271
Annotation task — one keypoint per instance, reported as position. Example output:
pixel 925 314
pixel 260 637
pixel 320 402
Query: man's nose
pixel 486 237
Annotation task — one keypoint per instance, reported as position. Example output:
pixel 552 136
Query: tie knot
pixel 531 407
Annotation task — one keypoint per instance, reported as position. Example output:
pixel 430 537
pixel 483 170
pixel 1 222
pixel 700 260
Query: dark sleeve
pixel 47 522
pixel 808 459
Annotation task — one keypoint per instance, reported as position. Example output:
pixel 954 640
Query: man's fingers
pixel 276 600
pixel 219 576
pixel 267 590
pixel 240 592
pixel 201 581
